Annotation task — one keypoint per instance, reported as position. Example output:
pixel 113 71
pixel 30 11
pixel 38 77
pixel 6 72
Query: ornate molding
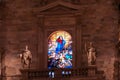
pixel 58 3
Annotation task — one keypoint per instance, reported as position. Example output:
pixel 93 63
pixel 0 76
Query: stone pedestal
pixel 24 74
pixel 92 70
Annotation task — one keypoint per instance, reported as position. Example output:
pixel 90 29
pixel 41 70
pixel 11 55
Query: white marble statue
pixel 26 58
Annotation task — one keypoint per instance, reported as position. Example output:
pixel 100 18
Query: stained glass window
pixel 60 50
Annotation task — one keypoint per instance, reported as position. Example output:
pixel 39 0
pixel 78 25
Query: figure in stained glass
pixel 60 44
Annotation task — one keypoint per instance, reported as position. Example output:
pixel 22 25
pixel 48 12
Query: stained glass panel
pixel 60 50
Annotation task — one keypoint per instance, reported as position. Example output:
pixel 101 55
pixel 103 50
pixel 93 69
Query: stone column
pixel 41 52
pixel 78 56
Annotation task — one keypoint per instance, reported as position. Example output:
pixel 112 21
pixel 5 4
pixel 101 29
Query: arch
pixel 60 50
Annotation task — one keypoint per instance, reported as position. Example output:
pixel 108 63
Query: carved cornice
pixel 50 6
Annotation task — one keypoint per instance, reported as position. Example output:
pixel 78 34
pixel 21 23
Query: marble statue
pixel 91 54
pixel 26 57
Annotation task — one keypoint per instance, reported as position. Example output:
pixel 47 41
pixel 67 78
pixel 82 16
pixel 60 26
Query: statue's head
pixel 91 44
pixel 26 48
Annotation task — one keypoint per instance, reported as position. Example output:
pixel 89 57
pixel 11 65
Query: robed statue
pixel 26 57
pixel 91 54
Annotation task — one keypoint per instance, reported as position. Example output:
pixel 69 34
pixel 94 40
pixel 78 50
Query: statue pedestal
pixel 25 73
pixel 92 70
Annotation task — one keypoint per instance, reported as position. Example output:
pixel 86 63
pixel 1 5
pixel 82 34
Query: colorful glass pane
pixel 60 50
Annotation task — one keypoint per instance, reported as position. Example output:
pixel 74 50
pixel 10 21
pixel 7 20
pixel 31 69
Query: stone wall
pixel 100 22
pixel 19 28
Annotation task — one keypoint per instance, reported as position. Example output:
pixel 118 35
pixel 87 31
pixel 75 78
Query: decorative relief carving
pixel 49 21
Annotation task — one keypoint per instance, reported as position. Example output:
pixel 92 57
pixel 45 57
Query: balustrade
pixel 52 74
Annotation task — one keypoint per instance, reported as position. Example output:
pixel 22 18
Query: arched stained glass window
pixel 60 50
